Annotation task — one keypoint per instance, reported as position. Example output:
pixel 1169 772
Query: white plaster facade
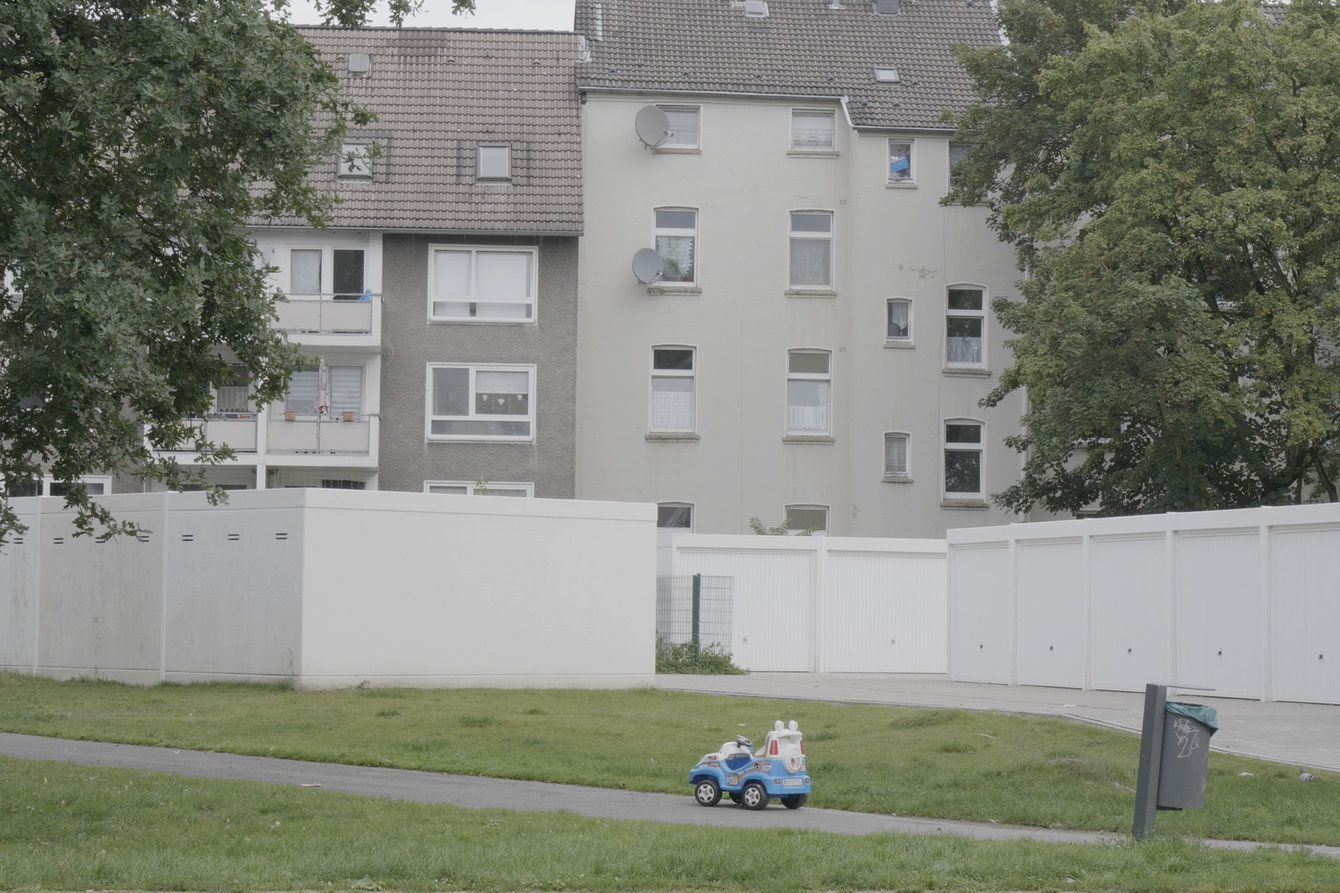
pixel 741 318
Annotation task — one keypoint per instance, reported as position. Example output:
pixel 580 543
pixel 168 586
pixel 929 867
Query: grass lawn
pixel 66 827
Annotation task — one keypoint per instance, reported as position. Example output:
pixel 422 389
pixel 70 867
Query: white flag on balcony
pixel 322 388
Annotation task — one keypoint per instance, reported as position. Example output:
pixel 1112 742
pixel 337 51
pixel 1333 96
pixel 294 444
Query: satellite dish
pixel 652 126
pixel 647 265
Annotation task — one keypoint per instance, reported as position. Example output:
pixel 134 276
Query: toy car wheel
pixel 734 796
pixel 753 796
pixel 707 792
pixel 794 801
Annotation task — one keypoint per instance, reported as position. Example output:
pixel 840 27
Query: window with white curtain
pixel 475 284
pixel 808 392
pixel 812 130
pixel 965 327
pixel 672 389
pixel 232 396
pixel 811 248
pixel 898 320
pixel 676 241
pixel 480 402
pixel 895 456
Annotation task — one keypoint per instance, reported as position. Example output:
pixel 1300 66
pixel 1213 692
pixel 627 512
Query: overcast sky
pixel 537 15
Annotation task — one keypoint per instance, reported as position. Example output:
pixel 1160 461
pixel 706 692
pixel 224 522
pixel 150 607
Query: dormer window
pixel 355 162
pixel 494 163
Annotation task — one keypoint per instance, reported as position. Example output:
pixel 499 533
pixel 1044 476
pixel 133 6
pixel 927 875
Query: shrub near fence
pixel 695 609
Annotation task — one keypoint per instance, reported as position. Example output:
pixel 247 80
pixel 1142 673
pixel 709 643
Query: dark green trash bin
pixel 1186 752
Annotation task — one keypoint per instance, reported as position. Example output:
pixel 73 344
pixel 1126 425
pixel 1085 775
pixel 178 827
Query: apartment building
pixel 779 319
pixel 438 309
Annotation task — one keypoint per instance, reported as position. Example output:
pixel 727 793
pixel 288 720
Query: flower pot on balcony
pixel 290 415
pixel 348 416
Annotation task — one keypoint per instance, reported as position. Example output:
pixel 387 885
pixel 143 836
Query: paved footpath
pixel 494 793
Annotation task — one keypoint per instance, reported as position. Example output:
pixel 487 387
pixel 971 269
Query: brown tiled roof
pixel 438 93
pixel 801 48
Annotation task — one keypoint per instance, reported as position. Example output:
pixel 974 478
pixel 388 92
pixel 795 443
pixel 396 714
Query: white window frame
pixel 667 375
pixel 663 507
pixel 524 489
pixel 897 178
pixel 97 485
pixel 952 162
pixel 226 403
pixel 493 163
pixel 320 253
pixel 806 507
pixel 799 236
pixel 676 140
pixel 472 414
pixel 889 336
pixel 893 473
pixel 954 353
pixel 325 272
pixel 477 308
pixel 355 161
pixel 811 139
pixel 659 231
pixel 794 426
pixel 960 446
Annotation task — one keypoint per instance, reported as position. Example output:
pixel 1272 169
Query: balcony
pixel 331 319
pixel 237 430
pixel 286 438
pixel 313 435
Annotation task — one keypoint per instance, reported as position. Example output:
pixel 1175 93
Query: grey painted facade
pixel 411 343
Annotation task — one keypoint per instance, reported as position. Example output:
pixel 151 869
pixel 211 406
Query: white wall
pixel 335 587
pixel 826 604
pixel 1241 602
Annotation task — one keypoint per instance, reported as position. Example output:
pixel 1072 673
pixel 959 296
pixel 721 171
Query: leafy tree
pixel 1169 173
pixel 352 13
pixel 137 138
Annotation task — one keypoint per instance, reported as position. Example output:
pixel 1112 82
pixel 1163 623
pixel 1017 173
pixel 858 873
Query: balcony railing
pixel 329 314
pixel 236 430
pixel 319 435
pixel 302 435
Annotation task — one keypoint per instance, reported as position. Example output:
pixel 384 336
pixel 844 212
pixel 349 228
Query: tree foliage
pixel 352 13
pixel 1169 173
pixel 137 137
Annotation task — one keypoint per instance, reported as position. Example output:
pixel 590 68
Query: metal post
pixel 697 611
pixel 1151 759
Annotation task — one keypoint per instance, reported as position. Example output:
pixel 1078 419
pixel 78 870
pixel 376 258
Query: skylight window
pixel 886 74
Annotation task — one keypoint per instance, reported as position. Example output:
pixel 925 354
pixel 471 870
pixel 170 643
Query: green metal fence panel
pixel 695 609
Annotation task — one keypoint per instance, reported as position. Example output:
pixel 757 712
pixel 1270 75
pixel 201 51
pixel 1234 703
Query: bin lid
pixel 1206 716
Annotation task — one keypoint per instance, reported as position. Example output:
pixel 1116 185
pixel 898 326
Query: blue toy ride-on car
pixel 753 779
